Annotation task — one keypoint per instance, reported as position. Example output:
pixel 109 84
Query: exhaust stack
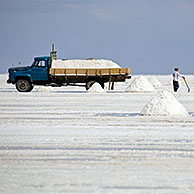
pixel 53 53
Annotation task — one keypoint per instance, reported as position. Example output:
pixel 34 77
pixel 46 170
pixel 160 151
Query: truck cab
pixel 39 69
pixel 25 77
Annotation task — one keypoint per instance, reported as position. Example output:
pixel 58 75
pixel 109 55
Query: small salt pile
pixel 154 81
pixel 164 104
pixel 140 84
pixel 96 88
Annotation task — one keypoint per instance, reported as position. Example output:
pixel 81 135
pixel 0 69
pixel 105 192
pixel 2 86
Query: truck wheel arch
pixel 26 77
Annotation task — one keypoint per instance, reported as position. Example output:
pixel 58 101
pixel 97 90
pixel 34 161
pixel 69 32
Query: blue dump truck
pixel 48 71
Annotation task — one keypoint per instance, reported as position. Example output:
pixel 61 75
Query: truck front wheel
pixel 23 85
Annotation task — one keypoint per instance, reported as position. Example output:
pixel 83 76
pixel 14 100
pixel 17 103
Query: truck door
pixel 39 70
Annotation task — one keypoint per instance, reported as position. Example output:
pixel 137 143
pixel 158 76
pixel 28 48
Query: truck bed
pixel 90 72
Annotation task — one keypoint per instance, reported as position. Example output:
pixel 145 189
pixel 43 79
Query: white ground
pixel 71 141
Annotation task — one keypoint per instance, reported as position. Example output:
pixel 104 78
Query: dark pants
pixel 175 85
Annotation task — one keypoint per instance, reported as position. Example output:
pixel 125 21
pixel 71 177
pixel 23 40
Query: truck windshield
pixel 33 63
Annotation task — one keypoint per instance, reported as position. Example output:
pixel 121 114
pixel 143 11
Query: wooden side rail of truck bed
pixel 89 72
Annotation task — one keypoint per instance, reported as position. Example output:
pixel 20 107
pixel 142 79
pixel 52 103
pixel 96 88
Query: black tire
pixel 102 84
pixel 23 85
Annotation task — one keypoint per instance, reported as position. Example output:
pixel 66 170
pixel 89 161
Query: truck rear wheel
pixel 23 85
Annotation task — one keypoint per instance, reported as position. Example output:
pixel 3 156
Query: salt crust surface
pixel 140 84
pixel 43 89
pixel 164 104
pixel 155 82
pixel 55 141
pixel 96 88
pixel 83 64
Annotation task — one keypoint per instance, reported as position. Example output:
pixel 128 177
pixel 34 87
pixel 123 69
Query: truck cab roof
pixel 41 58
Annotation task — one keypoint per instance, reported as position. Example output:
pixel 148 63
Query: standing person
pixel 176 76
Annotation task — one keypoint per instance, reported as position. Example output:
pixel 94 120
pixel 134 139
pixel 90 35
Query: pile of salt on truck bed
pixel 48 71
pixel 89 71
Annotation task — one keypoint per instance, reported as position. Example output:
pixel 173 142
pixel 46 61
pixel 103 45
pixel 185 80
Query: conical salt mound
pixel 140 84
pixel 154 81
pixel 164 104
pixel 96 88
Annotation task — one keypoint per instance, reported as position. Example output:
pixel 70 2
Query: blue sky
pixel 150 36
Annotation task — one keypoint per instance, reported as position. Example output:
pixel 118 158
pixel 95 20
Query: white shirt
pixel 176 75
